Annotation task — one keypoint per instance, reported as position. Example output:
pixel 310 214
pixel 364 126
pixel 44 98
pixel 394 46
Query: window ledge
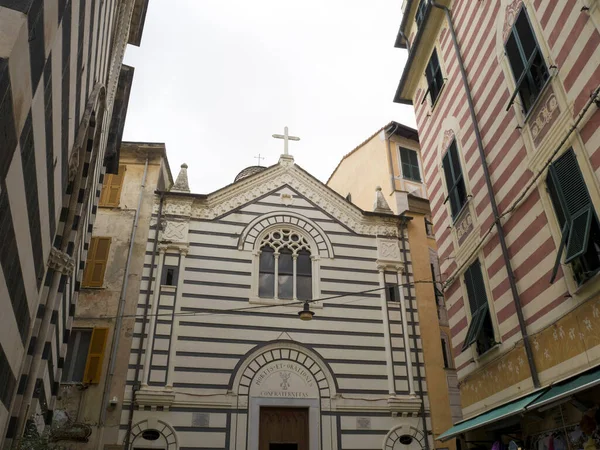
pixel 489 353
pixel 167 288
pixel 92 288
pixel 283 302
pixel 538 99
pixel 590 284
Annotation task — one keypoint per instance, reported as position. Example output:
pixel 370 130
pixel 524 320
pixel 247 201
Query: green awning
pixel 569 387
pixel 501 412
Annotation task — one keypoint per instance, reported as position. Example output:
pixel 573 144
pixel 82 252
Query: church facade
pixel 220 358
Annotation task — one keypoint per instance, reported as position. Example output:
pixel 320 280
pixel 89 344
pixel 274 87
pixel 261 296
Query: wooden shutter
pixel 97 259
pixel 111 191
pixel 93 364
pixel 573 206
pixel 477 301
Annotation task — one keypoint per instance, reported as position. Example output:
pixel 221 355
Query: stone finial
pixel 381 206
pixel 181 183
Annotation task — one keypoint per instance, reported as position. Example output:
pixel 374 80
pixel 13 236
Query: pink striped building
pixel 506 96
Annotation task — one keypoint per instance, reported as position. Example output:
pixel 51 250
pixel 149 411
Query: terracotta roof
pixel 401 130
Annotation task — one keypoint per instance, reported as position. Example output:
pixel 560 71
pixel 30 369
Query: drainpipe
pixel 403 226
pixel 388 135
pixel 488 182
pixel 146 307
pixel 119 320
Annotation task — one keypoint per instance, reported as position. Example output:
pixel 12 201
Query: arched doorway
pixel 283 385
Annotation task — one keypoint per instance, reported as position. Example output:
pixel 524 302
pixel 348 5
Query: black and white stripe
pixel 52 85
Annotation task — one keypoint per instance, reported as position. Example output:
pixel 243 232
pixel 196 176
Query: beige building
pixel 391 159
pixel 95 368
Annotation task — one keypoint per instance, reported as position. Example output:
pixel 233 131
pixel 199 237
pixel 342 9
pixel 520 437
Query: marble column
pixel 386 332
pixel 175 323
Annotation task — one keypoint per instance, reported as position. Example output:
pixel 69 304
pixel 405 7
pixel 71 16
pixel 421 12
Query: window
pixel 481 331
pixel 85 354
pixel 580 241
pixel 428 227
pixel 420 15
pixel 457 193
pixel 526 61
pixel 445 354
pixel 111 189
pixel 435 80
pixel 410 164
pixel 285 266
pixel 439 297
pixel 97 258
pixel 170 276
pixel 392 292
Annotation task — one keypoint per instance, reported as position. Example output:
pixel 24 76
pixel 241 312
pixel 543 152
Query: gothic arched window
pixel 285 266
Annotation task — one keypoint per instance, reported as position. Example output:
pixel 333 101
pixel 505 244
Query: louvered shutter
pixel 93 365
pixel 95 266
pixel 477 301
pixel 111 191
pixel 573 206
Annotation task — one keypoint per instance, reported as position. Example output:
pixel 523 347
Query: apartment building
pixel 506 99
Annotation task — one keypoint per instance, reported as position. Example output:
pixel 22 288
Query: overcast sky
pixel 214 79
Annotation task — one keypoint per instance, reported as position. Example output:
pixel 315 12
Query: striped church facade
pixel 63 97
pixel 210 351
pixel 502 110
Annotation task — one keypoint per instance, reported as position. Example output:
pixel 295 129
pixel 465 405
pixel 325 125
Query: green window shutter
pixel 477 301
pixel 476 326
pixel 573 206
pixel 410 164
pixel 457 193
pixel 579 235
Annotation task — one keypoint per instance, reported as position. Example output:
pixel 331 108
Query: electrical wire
pixel 211 312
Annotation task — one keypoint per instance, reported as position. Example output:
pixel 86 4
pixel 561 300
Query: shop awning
pixel 569 387
pixel 499 413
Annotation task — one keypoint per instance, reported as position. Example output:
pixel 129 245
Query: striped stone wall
pixel 59 66
pixel 212 336
pixel 516 148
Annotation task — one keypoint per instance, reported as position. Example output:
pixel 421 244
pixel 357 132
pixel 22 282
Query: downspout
pixel 390 164
pixel 146 307
pixel 119 320
pixel 488 182
pixel 403 227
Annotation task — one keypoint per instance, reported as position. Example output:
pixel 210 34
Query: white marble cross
pixel 285 138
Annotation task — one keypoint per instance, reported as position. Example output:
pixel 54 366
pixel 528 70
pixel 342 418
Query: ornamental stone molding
pixel 510 16
pixel 245 191
pixel 388 250
pixel 447 139
pixel 175 231
pixel 60 262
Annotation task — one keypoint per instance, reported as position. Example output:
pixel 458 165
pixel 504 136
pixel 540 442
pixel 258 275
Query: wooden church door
pixel 283 429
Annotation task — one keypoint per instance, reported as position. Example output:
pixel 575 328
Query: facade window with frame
pixel 580 230
pixel 95 265
pixel 526 61
pixel 455 183
pixel 285 266
pixel 85 354
pixel 435 80
pixel 420 14
pixel 170 276
pixel 481 330
pixel 410 164
pixel 392 292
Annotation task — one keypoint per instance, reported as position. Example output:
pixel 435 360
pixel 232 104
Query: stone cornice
pixel 238 194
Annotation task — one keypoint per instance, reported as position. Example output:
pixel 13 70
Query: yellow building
pixel 389 163
pixel 95 369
